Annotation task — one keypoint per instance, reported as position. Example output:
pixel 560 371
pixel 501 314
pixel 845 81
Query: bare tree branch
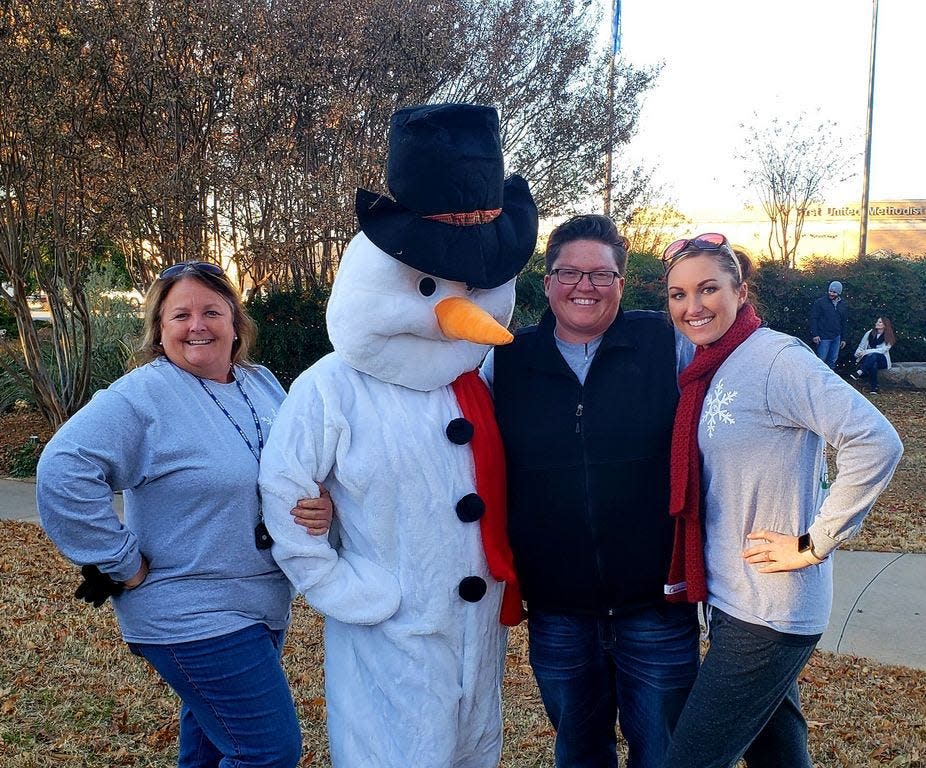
pixel 789 165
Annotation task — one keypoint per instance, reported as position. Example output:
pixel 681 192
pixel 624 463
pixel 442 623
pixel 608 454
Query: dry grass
pixel 72 695
pixel 898 521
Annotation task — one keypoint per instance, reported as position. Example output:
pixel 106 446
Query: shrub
pixel 7 320
pixel 13 382
pixel 643 285
pixel 115 328
pixel 783 297
pixel 291 331
pixel 530 299
pixel 22 460
pixel 893 286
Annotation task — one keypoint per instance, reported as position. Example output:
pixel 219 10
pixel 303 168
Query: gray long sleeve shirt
pixel 190 492
pixel 767 412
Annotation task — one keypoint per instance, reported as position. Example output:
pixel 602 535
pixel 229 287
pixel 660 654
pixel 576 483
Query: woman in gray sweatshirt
pixel 756 516
pixel 190 574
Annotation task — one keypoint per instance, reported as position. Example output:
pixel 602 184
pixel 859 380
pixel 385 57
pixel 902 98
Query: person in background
pixel 829 318
pixel 585 402
pixel 756 518
pixel 874 352
pixel 193 585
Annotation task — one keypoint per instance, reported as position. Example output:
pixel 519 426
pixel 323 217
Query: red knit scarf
pixel 686 572
pixel 489 459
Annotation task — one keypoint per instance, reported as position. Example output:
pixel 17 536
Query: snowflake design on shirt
pixel 268 420
pixel 715 411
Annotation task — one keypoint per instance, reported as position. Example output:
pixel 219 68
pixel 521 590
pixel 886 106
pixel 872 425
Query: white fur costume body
pixel 413 671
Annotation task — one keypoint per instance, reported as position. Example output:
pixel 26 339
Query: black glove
pixel 97 586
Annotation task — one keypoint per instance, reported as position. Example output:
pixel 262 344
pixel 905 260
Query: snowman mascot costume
pixel 418 585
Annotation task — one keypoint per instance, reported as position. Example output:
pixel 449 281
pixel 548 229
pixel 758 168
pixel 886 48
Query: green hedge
pixel 291 331
pixel 893 287
pixel 531 299
pixel 643 285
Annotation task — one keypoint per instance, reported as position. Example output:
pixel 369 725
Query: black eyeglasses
pixel 601 279
pixel 709 241
pixel 206 267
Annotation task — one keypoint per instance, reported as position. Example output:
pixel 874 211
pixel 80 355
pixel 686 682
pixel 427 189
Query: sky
pixel 725 60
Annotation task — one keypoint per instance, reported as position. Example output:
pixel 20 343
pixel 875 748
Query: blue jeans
pixel 592 670
pixel 870 366
pixel 828 351
pixel 744 703
pixel 236 707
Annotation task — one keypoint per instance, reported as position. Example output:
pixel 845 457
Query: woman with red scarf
pixel 756 517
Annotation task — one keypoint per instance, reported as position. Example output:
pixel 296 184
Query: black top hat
pixel 454 215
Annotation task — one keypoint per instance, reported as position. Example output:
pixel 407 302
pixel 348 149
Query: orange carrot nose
pixel 459 318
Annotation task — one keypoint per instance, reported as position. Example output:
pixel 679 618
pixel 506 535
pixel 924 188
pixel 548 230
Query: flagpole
pixel 863 232
pixel 608 175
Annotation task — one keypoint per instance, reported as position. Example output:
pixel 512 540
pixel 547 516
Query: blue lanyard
pixel 260 432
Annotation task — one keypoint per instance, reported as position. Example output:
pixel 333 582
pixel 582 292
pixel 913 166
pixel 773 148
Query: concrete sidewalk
pixel 879 607
pixel 879 602
pixel 17 500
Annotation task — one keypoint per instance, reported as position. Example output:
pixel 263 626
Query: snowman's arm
pixel 300 452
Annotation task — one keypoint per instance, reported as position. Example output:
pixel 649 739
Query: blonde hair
pixel 245 328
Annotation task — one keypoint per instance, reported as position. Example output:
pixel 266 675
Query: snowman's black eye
pixel 427 286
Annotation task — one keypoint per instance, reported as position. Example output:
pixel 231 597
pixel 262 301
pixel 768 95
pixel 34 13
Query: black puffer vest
pixel 588 466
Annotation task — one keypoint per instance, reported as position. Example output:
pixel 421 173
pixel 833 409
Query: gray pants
pixel 744 702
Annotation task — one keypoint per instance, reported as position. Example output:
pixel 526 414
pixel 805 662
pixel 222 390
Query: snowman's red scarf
pixel 489 458
pixel 687 579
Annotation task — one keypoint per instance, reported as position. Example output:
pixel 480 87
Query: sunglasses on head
pixel 204 267
pixel 709 241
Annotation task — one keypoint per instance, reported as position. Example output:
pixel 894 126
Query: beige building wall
pixel 831 231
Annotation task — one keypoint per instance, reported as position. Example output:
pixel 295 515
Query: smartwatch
pixel 805 544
